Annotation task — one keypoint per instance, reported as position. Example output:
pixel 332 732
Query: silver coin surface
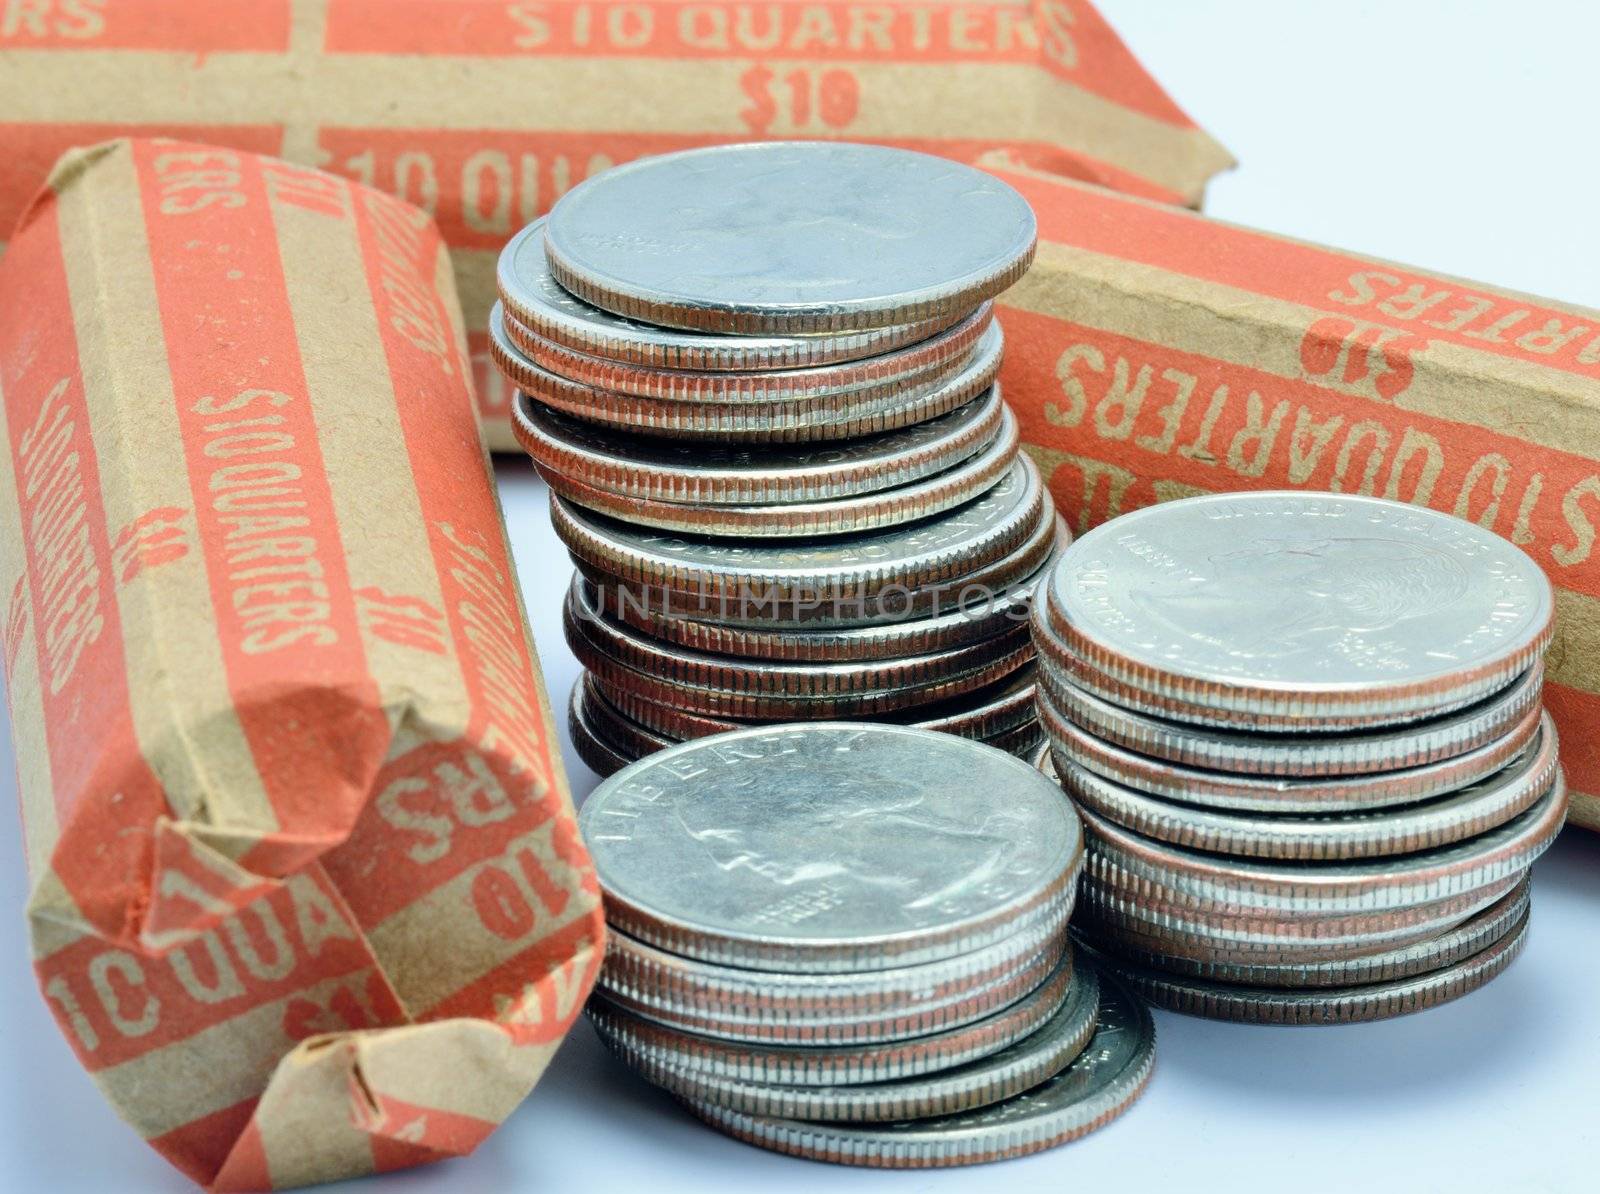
pixel 582 620
pixel 1301 604
pixel 1237 792
pixel 988 1080
pixel 834 1065
pixel 599 752
pixel 1471 936
pixel 1101 1083
pixel 990 612
pixel 819 574
pixel 998 709
pixel 1405 829
pixel 869 510
pixel 828 846
pixel 1389 748
pixel 1132 916
pixel 674 471
pixel 889 373
pixel 789 237
pixel 878 1005
pixel 539 304
pixel 1326 1005
pixel 810 420
pixel 835 608
pixel 1187 878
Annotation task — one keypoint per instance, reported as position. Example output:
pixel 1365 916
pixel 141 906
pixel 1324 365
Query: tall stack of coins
pixel 1304 732
pixel 849 942
pixel 760 382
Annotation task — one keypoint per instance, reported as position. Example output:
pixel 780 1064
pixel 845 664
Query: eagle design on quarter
pixel 1298 595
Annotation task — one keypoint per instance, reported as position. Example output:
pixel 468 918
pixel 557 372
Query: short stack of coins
pixel 849 942
pixel 1305 735
pixel 760 383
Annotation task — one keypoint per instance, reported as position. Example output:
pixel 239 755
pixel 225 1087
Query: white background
pixel 1460 136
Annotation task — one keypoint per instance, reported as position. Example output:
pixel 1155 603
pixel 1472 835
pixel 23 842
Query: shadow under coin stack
pixel 1304 731
pixel 849 942
pixel 760 382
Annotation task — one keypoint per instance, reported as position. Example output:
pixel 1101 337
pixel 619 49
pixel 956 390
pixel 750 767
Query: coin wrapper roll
pixel 308 899
pixel 484 112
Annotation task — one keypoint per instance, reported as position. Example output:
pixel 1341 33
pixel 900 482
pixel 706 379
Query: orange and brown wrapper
pixel 484 112
pixel 1152 353
pixel 307 896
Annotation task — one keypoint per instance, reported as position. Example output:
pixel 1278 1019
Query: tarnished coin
pixel 869 377
pixel 818 575
pixel 1303 605
pixel 1326 1005
pixel 679 665
pixel 864 512
pixel 988 1080
pixel 544 309
pixel 988 613
pixel 1471 936
pixel 1217 883
pixel 1405 829
pixel 1100 1084
pixel 983 714
pixel 831 1009
pixel 832 1065
pixel 1386 749
pixel 835 607
pixel 631 737
pixel 1022 741
pixel 598 752
pixel 1287 793
pixel 788 237
pixel 746 705
pixel 635 466
pixel 767 421
pixel 828 847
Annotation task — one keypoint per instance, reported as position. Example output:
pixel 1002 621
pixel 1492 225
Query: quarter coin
pixel 634 466
pixel 988 613
pixel 1406 829
pixel 833 1009
pixel 867 511
pixel 1217 883
pixel 1304 606
pixel 1327 1005
pixel 789 237
pixel 988 1080
pixel 1386 749
pixel 679 665
pixel 878 376
pixel 1285 793
pixel 983 714
pixel 1099 1085
pixel 542 308
pixel 814 575
pixel 598 753
pixel 1471 936
pixel 828 847
pixel 1140 919
pixel 833 1065
pixel 781 420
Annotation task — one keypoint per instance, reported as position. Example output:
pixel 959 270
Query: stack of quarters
pixel 760 382
pixel 1305 735
pixel 850 942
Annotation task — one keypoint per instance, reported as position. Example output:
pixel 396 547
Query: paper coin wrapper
pixel 1152 353
pixel 483 112
pixel 307 899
